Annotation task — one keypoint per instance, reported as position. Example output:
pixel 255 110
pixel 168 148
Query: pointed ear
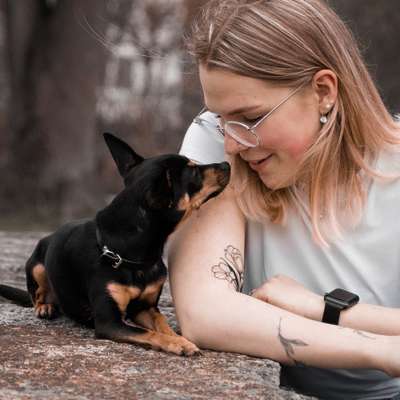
pixel 123 155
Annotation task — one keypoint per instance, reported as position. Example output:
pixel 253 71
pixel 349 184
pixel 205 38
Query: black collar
pixel 116 259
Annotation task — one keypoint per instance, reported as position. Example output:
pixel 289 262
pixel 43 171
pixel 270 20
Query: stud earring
pixel 323 119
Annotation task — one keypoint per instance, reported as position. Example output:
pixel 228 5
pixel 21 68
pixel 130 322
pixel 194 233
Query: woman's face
pixel 284 136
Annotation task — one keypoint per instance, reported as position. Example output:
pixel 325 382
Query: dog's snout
pixel 224 173
pixel 225 166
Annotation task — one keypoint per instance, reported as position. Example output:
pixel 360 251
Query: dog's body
pixel 107 271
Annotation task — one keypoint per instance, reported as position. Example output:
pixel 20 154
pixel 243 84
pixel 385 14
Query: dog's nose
pixel 225 166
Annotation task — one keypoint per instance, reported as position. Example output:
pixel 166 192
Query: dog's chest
pixel 123 295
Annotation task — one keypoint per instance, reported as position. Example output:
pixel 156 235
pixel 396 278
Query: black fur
pixel 67 272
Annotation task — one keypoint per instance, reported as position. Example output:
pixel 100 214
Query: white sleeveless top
pixel 366 261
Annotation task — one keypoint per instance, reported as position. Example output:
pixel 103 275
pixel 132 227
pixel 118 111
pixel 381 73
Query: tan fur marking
pixel 143 318
pixel 43 301
pixel 173 344
pixel 122 294
pixel 161 323
pixel 40 277
pixel 210 185
pixel 151 292
pixel 184 203
pixel 154 320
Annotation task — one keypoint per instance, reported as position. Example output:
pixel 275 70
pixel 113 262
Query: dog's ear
pixel 123 155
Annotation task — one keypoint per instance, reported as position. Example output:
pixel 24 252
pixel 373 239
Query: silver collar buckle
pixel 117 259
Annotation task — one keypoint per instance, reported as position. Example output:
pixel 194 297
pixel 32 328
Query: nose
pixel 233 147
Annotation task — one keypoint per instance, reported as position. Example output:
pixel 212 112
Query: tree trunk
pixel 56 66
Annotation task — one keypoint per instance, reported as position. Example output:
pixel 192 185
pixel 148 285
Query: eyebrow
pixel 240 110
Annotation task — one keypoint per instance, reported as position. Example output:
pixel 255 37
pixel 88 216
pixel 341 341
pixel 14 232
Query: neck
pixel 132 232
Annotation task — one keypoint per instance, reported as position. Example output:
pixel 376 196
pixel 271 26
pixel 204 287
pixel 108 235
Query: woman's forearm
pixel 238 323
pixel 288 294
pixel 372 318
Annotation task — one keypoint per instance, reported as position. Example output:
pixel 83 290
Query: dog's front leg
pixel 153 319
pixel 121 332
pixel 109 318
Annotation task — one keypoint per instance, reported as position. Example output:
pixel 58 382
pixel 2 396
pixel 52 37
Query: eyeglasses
pixel 242 133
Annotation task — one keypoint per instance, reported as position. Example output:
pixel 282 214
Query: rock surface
pixel 61 360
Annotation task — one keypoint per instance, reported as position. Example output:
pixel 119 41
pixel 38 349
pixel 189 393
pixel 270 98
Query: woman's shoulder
pixel 388 161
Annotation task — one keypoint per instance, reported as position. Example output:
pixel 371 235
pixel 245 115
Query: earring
pixel 323 119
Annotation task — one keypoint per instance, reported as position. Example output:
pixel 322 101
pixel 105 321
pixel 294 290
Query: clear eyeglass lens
pixel 241 134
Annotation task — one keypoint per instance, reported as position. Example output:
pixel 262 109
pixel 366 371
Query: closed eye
pixel 251 120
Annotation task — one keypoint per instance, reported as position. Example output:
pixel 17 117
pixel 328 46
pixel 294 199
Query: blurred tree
pixel 54 67
pixel 71 69
pixel 375 24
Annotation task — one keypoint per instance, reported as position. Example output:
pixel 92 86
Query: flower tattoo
pixel 230 267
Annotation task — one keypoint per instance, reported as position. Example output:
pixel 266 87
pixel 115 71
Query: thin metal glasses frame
pixel 250 129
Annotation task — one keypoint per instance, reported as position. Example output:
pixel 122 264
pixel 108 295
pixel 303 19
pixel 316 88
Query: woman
pixel 311 207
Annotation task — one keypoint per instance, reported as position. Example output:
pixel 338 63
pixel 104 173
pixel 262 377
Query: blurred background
pixel 72 69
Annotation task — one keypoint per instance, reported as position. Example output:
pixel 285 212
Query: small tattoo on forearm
pixel 364 334
pixel 289 346
pixel 230 267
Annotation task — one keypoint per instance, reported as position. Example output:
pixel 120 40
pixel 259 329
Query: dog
pixel 107 273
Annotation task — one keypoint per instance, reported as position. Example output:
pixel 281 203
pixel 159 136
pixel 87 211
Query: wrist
pixel 316 307
pixel 336 302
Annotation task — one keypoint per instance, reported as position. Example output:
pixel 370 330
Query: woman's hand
pixel 286 293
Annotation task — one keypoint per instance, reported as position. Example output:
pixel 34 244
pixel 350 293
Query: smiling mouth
pixel 259 161
pixel 255 165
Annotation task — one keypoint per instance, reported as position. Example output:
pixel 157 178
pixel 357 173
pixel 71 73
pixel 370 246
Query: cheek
pixel 294 139
pixel 298 146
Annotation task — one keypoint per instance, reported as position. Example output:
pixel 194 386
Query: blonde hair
pixel 286 42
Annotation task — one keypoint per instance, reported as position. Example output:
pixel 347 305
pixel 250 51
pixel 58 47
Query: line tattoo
pixel 365 335
pixel 230 267
pixel 289 345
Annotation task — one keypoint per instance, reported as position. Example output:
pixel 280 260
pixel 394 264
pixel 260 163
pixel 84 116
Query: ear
pixel 122 153
pixel 325 85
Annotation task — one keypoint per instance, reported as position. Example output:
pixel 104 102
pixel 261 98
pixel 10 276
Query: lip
pixel 258 165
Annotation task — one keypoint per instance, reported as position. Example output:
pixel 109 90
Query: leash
pixel 116 259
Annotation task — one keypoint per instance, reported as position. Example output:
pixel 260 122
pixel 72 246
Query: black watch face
pixel 342 297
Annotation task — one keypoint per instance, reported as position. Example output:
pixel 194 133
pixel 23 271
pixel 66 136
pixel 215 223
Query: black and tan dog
pixel 107 273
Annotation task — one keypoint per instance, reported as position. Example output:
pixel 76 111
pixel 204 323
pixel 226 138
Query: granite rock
pixel 61 360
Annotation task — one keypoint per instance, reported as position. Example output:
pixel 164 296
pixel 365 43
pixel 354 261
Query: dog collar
pixel 116 259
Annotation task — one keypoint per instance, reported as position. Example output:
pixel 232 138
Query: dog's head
pixel 170 183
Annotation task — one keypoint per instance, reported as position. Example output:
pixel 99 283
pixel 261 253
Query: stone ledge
pixel 59 359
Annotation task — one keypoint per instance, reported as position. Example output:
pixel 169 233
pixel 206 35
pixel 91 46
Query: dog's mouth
pixel 222 177
pixel 214 191
pixel 215 179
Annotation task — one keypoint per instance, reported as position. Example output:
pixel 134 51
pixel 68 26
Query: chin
pixel 274 183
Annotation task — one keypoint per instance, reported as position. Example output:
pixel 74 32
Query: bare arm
pixel 214 315
pixel 366 317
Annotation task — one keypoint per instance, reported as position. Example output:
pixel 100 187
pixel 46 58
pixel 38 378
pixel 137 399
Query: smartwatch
pixel 335 302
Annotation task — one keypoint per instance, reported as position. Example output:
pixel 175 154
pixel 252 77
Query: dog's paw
pixel 45 311
pixel 190 349
pixel 182 347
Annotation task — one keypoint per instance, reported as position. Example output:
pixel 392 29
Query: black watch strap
pixel 331 314
pixel 335 302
